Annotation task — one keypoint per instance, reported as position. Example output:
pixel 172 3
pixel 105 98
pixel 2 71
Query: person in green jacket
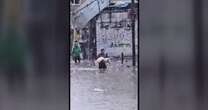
pixel 76 52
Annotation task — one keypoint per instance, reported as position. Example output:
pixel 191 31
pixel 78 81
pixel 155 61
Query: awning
pixel 88 10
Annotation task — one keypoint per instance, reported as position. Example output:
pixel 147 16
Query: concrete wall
pixel 122 35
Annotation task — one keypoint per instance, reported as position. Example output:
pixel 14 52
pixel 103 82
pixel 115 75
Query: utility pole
pixel 92 30
pixel 133 33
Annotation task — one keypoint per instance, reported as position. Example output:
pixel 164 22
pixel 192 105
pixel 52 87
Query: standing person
pixel 76 52
pixel 83 43
pixel 77 35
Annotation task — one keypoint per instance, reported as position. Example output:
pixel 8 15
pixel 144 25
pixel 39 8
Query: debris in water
pixel 98 90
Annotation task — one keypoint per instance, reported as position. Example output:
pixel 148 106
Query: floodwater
pixel 113 89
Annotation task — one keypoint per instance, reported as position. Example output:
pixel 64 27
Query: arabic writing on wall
pixel 114 37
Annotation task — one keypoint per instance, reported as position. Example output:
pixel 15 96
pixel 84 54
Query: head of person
pixel 102 50
pixel 76 43
pixel 78 32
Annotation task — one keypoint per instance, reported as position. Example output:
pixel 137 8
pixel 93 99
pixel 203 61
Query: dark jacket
pixel 102 55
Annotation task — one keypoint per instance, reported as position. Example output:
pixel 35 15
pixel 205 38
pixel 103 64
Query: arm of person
pixel 72 52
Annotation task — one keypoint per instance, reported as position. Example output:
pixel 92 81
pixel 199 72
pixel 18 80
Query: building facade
pixel 116 38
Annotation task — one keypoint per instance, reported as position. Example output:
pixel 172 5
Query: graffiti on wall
pixel 114 37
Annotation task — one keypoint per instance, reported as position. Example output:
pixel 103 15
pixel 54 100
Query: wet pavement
pixel 114 89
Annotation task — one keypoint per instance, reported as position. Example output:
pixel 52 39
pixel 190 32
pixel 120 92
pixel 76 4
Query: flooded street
pixel 114 89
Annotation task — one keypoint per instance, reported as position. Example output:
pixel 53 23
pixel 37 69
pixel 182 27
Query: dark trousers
pixel 102 65
pixel 77 59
